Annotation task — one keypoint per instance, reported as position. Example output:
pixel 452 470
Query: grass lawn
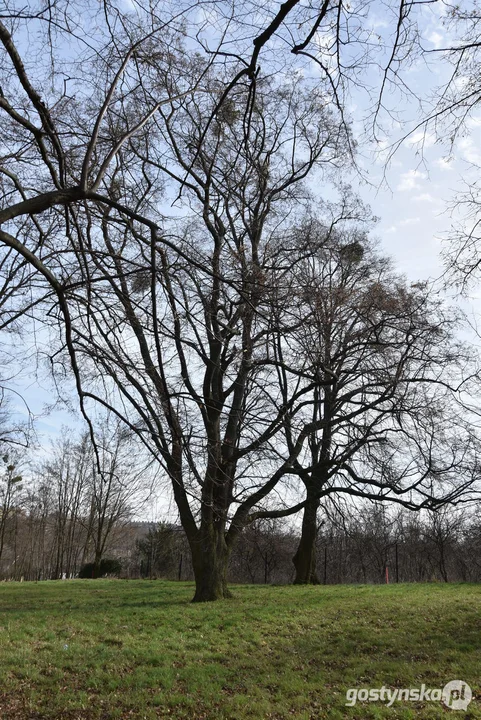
pixel 139 649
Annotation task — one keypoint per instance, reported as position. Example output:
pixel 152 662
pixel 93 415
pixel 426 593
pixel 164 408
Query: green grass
pixel 83 650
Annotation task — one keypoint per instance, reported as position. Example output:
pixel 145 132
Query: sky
pixel 411 204
pixel 413 225
pixel 410 196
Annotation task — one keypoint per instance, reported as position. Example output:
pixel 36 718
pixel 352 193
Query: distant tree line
pixel 52 531
pixel 69 508
pixel 435 546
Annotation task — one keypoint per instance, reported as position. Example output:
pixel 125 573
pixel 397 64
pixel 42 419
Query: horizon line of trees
pixel 59 520
pixel 372 545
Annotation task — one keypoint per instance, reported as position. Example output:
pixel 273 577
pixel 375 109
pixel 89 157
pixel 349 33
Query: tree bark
pixel 97 561
pixel 305 558
pixel 210 559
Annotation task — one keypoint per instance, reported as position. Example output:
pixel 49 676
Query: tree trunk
pixel 96 564
pixel 210 558
pixel 305 558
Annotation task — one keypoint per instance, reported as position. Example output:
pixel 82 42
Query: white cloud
pixel 444 163
pixel 410 180
pixel 469 151
pixel 379 22
pixel 436 39
pixel 460 82
pixel 410 221
pixel 426 198
pixel 423 139
pixel 381 153
pixel 474 121
pixel 390 230
pixel 324 43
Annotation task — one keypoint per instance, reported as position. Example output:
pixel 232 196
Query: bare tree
pixel 9 490
pixel 117 487
pixel 65 475
pixel 389 419
pixel 35 546
pixel 121 276
pixel 16 306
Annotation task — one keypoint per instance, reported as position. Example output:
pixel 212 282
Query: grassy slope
pixel 139 649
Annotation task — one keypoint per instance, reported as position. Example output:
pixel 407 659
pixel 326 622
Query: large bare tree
pixel 172 331
pixel 148 306
pixel 393 424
